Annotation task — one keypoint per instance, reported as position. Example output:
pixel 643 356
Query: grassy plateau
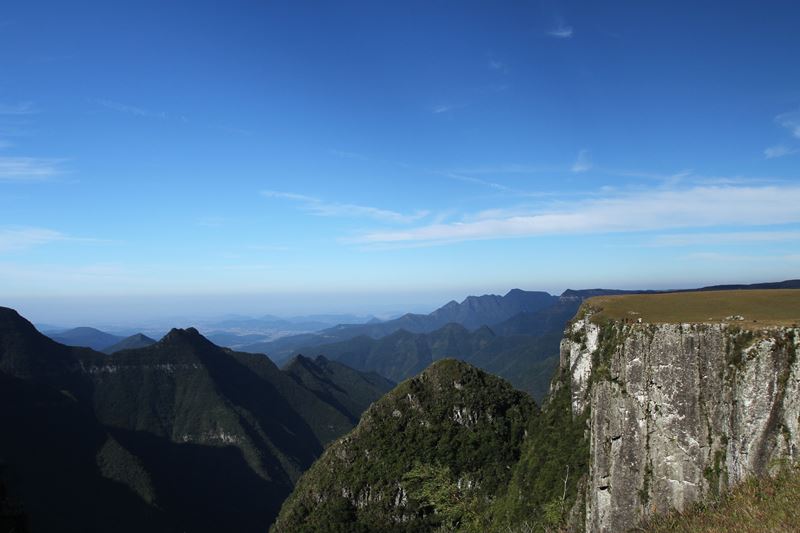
pixel 748 308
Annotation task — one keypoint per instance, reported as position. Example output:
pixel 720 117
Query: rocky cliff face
pixel 679 412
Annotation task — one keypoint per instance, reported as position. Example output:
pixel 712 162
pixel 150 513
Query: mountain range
pixel 472 313
pixel 516 336
pixel 522 349
pixel 85 336
pixel 646 420
pixel 113 442
pixel 97 442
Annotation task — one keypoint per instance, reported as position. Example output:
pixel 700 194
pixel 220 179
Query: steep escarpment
pixel 646 414
pixel 434 452
pixel 679 412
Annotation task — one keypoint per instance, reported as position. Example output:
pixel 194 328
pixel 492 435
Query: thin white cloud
pixel 511 168
pixel 22 108
pixel 696 207
pixel 212 221
pixel 477 181
pixel 499 66
pixel 131 110
pixel 741 258
pixel 779 151
pixel 13 239
pixel 740 237
pixel 223 128
pixel 561 32
pixel 348 155
pixel 290 196
pixel 582 163
pixel 29 168
pixel 790 121
pixel 5 144
pixel 441 109
pixel 318 207
pixel 16 238
pixel 50 279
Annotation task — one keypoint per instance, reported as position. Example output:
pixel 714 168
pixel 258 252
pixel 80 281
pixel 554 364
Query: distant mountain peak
pixel 86 329
pixel 182 336
pixel 139 340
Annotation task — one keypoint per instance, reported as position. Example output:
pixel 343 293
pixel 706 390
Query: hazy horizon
pixel 183 310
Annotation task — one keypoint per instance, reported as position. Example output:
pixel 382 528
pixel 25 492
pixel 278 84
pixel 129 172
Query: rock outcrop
pixel 678 412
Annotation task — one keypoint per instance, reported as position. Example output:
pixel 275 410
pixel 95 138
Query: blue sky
pixel 199 157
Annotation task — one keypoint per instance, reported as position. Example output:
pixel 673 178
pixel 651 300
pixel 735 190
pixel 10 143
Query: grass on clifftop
pixel 779 307
pixel 770 505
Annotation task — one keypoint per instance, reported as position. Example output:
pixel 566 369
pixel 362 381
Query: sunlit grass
pixel 779 307
pixel 767 505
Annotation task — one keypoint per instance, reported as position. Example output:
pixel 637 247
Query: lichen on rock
pixel 679 412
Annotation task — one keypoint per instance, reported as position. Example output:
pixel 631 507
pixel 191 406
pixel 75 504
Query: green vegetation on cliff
pixel 759 505
pixel 546 481
pixel 435 452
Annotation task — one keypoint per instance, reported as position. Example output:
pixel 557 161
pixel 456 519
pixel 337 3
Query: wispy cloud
pixel 497 65
pixel 790 121
pixel 477 181
pixel 13 239
pixel 5 144
pixel 348 155
pixel 212 221
pixel 582 163
pixel 318 207
pixel 29 168
pixel 131 110
pixel 231 130
pixel 779 150
pixel 291 196
pixel 561 31
pixel 695 207
pixel 735 238
pixel 16 238
pixel 741 258
pixel 16 120
pixel 511 168
pixel 22 108
pixel 442 108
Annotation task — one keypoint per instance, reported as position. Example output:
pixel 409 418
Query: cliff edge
pixel 681 411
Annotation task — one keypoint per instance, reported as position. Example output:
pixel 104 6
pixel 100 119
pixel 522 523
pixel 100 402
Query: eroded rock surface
pixel 679 412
